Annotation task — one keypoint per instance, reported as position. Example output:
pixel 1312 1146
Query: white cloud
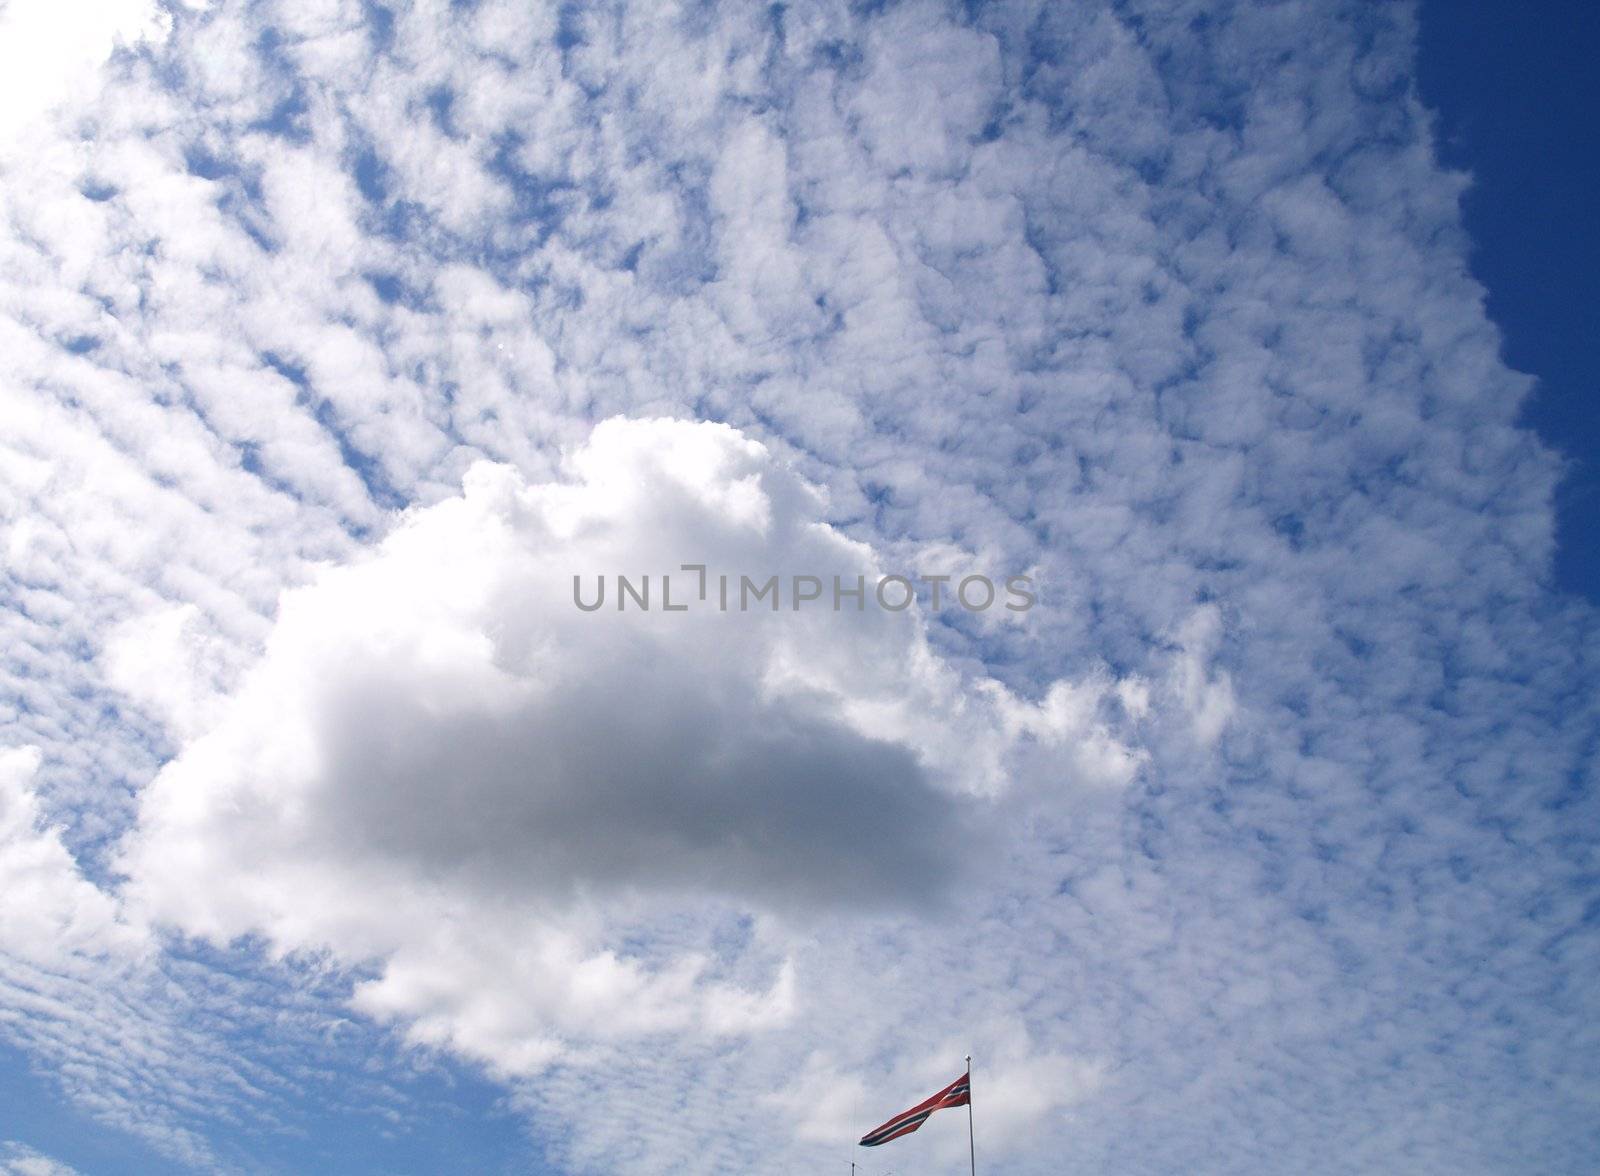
pixel 49 54
pixel 441 763
pixel 1208 697
pixel 169 662
pixel 50 913
pixel 18 1159
pixel 79 985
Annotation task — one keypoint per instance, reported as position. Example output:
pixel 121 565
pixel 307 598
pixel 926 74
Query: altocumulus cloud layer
pixel 339 337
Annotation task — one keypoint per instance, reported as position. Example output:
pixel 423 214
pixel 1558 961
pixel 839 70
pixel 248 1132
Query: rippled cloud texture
pixel 339 337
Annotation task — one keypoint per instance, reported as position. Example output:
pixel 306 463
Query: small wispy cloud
pixel 18 1159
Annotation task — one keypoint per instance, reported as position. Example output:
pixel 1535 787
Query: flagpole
pixel 972 1149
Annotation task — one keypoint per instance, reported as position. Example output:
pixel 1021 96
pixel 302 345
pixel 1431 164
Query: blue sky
pixel 1515 99
pixel 340 337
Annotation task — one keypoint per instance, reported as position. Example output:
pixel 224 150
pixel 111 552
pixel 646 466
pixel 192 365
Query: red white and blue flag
pixel 957 1094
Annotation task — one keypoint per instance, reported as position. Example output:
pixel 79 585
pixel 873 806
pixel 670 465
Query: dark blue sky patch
pixel 288 369
pixel 380 26
pixel 441 101
pixel 541 202
pixel 404 221
pixel 290 107
pixel 250 461
pixel 387 287
pixel 1517 92
pixel 569 27
pixel 238 193
pixel 365 467
pixel 842 57
pixel 288 117
pixel 250 458
pixel 371 174
pixel 202 162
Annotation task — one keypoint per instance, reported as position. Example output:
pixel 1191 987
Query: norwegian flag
pixel 957 1094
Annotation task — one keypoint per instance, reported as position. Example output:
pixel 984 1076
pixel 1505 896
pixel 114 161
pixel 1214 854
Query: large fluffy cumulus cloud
pixel 443 764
